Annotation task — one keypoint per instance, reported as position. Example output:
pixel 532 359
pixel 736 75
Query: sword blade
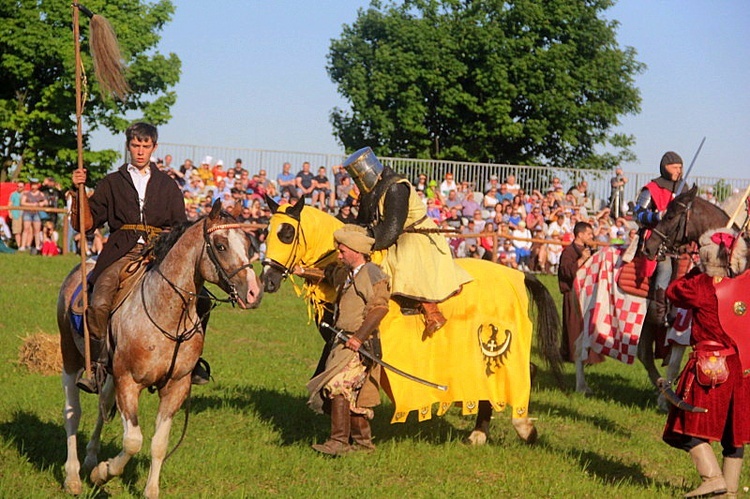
pixel 343 338
pixel 690 168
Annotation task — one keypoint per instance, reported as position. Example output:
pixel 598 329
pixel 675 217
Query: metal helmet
pixel 364 168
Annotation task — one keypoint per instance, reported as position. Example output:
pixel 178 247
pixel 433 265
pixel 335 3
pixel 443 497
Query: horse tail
pixel 547 326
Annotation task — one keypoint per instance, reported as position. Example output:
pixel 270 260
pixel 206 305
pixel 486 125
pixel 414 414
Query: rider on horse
pixel 138 201
pixel 651 204
pixel 418 260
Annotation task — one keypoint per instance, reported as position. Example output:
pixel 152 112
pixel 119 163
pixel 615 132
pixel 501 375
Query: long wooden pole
pixel 81 188
pixel 740 207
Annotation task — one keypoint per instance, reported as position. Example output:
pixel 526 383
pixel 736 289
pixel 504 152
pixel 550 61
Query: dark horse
pixel 687 217
pixel 158 338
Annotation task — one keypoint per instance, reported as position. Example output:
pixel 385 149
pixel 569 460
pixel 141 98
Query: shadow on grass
pixel 607 387
pixel 43 445
pixel 296 423
pixel 597 421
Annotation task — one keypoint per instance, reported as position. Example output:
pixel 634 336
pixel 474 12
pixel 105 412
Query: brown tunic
pixel 356 298
pixel 572 318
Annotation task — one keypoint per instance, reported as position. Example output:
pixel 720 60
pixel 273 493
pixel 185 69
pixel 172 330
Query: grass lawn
pixel 250 431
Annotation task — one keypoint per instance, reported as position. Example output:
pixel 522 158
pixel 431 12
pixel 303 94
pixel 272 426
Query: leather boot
pixel 433 318
pixel 708 468
pixel 201 372
pixel 338 444
pixel 732 468
pixel 99 361
pixel 657 307
pixel 361 433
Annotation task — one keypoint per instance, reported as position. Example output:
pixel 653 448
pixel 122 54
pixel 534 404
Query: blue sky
pixel 253 75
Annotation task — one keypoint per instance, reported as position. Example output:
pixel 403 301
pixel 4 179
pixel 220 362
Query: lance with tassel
pixel 109 70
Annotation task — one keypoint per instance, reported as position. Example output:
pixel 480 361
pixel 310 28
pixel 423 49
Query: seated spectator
pixel 479 222
pixel 447 185
pixel 493 182
pixel 511 186
pixel 452 200
pixel 345 214
pixel 286 183
pixel 343 189
pixel 503 194
pixel 49 238
pixel 523 248
pixel 433 211
pixel 204 171
pixel 490 200
pixel 538 257
pixel 322 192
pixel 469 205
pixel 506 255
pixel 515 219
pixel 519 205
pixel 420 185
pixel 304 183
pixel 554 250
pixel 191 211
pixel 453 219
pixel 535 220
pixel 487 240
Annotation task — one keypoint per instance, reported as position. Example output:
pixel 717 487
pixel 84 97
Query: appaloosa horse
pixel 157 338
pixel 482 353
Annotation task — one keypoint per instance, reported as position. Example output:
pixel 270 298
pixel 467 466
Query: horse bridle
pixel 224 276
pixel 669 243
pixel 283 269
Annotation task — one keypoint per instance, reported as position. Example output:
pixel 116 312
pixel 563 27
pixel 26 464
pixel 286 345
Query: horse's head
pixel 230 251
pixel 295 237
pixel 673 230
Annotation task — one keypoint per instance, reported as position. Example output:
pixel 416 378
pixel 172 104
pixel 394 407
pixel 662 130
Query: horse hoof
pixel 526 430
pixel 73 486
pixel 100 474
pixel 477 437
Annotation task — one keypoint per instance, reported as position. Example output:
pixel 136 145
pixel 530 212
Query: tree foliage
pixel 520 82
pixel 37 82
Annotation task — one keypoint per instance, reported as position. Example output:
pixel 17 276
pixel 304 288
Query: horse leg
pixel 72 417
pixel 646 351
pixel 171 398
pixel 481 432
pixel 581 385
pixel 132 438
pixel 525 429
pixel 94 445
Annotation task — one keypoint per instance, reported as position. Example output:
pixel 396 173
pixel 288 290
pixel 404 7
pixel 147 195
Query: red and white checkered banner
pixel 612 319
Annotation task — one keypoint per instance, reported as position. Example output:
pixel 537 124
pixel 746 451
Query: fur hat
pixel 716 246
pixel 354 237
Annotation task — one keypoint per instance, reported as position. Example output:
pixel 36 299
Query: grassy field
pixel 250 430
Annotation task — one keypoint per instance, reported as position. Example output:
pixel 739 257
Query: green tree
pixel 37 82
pixel 524 82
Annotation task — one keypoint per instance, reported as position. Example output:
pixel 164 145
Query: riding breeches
pixel 105 288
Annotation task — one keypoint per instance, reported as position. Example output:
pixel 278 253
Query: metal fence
pixel 529 177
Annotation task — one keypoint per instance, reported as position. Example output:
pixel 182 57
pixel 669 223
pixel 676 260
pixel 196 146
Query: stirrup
pixel 201 372
pixel 95 382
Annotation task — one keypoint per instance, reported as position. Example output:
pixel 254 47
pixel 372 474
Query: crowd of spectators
pixel 498 220
pixel 524 230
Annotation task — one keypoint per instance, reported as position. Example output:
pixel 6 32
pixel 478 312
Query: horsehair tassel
pixel 105 52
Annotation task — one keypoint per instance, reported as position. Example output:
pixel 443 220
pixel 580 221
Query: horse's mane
pixel 166 240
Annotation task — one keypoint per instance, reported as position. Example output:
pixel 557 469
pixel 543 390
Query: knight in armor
pixel 716 374
pixel 137 201
pixel 651 204
pixel 418 259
